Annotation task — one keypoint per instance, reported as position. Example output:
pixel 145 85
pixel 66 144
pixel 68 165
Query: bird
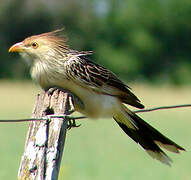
pixel 54 64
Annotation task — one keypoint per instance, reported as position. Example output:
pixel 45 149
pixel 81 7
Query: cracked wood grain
pixel 45 139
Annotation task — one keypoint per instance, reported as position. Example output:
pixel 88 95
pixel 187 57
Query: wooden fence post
pixel 45 139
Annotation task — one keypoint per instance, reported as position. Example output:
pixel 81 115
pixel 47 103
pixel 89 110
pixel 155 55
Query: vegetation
pixel 138 40
pixel 99 149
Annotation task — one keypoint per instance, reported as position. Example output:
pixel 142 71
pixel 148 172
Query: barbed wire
pixel 49 117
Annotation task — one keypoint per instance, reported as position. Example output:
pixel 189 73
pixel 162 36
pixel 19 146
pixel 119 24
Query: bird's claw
pixel 51 90
pixel 72 123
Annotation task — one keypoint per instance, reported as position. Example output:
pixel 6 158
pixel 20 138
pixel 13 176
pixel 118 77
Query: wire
pixel 49 117
pixel 46 118
pixel 162 107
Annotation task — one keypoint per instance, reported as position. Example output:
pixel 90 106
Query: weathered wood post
pixel 45 139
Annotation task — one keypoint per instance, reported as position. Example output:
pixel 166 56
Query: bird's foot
pixel 52 89
pixel 71 121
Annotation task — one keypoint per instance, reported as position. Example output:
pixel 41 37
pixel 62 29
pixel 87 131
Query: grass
pixel 99 149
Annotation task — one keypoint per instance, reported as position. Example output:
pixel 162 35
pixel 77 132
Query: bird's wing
pixel 89 74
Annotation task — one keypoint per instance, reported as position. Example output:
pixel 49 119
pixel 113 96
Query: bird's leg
pixel 71 121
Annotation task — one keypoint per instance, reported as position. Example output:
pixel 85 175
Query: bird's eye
pixel 34 45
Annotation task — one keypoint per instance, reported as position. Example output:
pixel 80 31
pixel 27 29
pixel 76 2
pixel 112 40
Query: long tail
pixel 146 136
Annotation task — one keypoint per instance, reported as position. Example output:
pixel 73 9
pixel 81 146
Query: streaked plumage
pixel 53 63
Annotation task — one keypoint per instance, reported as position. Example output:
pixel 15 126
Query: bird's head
pixel 38 47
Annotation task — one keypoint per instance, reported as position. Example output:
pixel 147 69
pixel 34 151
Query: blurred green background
pixel 145 42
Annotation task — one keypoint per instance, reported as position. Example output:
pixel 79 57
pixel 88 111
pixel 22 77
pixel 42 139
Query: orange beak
pixel 18 47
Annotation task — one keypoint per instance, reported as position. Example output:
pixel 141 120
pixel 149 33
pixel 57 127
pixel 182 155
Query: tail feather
pixel 161 156
pixel 146 136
